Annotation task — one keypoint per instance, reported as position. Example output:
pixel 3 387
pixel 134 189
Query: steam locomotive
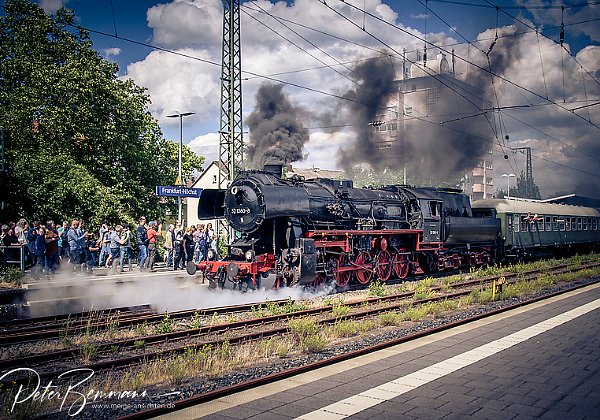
pixel 311 232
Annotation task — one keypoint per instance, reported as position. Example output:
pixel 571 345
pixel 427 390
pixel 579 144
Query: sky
pixel 547 94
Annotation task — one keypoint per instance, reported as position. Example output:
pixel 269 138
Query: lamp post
pixel 508 176
pixel 179 176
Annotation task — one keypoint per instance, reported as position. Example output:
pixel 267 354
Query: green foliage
pixel 389 318
pixel 346 328
pixel 340 310
pixel 377 289
pixel 522 190
pixel 195 321
pixel 422 291
pixel 416 313
pixel 303 327
pixel 314 343
pixel 80 141
pixel 166 325
pixel 274 308
pixel 367 177
pixel 12 275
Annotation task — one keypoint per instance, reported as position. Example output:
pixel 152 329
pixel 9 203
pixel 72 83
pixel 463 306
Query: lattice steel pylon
pixel 528 171
pixel 231 125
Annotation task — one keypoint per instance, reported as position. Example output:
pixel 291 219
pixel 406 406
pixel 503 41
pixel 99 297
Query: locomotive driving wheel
pixel 363 269
pixel 401 264
pixel 319 281
pixel 342 277
pixel 384 265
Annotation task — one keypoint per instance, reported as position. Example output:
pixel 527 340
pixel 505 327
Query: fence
pixel 9 255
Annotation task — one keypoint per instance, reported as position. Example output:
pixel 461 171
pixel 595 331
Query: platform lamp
pixel 508 176
pixel 179 181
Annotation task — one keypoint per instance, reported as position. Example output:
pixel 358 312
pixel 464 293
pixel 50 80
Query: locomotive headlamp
pixel 249 255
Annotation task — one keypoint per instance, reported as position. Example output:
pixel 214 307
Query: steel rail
pixel 17 336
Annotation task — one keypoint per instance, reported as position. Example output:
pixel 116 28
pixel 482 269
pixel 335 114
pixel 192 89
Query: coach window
pixel 595 223
pixel 524 223
pixel 561 225
pixel 554 223
pixel 585 223
pixel 509 222
pixel 568 224
pixel 516 225
pixel 574 223
pixel 548 225
pixel 540 223
pixel 579 224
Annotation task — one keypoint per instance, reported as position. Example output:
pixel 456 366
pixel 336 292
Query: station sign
pixel 175 191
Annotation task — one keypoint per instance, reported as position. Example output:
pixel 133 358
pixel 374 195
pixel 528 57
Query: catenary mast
pixel 231 131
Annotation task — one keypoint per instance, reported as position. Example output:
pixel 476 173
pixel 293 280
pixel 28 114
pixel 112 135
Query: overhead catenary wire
pixel 305 39
pixel 480 68
pixel 298 46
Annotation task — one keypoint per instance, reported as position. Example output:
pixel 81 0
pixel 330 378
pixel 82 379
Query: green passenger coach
pixel 534 228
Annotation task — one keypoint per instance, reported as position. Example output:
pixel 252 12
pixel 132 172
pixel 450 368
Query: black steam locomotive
pixel 309 232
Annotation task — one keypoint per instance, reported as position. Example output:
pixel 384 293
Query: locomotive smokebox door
pixel 308 260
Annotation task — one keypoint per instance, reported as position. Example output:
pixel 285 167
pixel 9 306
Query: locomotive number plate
pixel 240 210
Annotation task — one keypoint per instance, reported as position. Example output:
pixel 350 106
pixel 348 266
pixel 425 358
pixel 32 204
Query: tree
pixel 521 190
pixel 80 142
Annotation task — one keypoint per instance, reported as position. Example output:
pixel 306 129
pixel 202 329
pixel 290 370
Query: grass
pixel 11 276
pixel 195 321
pixel 423 290
pixel 346 328
pixel 273 308
pixel 377 289
pixel 166 325
pixel 389 318
pixel 340 310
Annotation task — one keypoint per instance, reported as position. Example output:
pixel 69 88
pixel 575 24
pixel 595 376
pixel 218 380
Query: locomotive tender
pixel 310 232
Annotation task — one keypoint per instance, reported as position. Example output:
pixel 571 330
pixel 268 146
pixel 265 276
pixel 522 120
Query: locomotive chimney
pixel 275 169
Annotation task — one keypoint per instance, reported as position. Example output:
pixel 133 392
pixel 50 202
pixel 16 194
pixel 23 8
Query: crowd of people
pixel 112 246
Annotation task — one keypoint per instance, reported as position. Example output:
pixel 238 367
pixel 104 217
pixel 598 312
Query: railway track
pixel 109 318
pixel 252 329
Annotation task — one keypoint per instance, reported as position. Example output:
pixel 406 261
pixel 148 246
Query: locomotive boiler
pixel 311 232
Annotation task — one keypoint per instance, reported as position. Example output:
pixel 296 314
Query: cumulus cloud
pixel 178 84
pixel 111 52
pixel 564 145
pixel 206 145
pixel 187 23
pixel 51 6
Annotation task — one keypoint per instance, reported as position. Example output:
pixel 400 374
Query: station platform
pixel 538 361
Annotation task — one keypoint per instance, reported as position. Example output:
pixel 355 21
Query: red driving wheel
pixel 363 267
pixel 384 265
pixel 342 277
pixel 401 264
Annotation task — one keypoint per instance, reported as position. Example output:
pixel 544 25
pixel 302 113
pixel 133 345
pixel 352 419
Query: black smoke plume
pixel 374 81
pixel 277 133
pixel 441 132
